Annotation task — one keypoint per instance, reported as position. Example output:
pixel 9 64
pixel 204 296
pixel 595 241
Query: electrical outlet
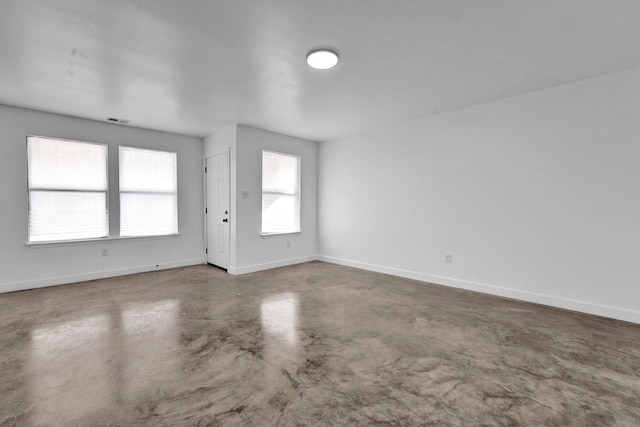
pixel 104 252
pixel 447 258
pixel 288 244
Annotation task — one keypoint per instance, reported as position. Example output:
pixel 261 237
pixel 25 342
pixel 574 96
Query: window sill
pixel 269 235
pixel 61 243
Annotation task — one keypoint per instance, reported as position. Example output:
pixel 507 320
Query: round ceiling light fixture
pixel 322 59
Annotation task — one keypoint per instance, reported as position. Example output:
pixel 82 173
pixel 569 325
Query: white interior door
pixel 217 210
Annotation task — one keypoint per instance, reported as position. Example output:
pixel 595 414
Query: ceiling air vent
pixel 116 120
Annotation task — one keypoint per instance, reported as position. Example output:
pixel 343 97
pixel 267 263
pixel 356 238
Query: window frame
pixel 106 192
pixel 121 192
pixel 298 194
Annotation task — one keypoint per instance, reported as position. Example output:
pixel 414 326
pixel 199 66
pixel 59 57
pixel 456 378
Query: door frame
pixel 226 151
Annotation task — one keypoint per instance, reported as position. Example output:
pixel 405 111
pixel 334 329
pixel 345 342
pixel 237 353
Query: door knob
pixel 225 220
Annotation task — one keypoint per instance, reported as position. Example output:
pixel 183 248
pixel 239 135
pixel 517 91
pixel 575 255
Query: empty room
pixel 319 213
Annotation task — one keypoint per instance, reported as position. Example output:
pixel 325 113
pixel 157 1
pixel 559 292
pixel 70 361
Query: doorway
pixel 217 209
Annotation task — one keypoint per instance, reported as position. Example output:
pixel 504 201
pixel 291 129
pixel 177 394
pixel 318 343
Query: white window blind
pixel 148 192
pixel 280 193
pixel 67 183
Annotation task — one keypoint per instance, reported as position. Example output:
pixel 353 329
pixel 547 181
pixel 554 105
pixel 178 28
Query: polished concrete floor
pixel 314 344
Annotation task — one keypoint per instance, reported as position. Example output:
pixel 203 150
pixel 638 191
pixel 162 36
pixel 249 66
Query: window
pixel 148 192
pixel 280 193
pixel 67 184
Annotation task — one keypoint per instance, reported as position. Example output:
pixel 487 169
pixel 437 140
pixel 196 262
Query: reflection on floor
pixel 313 344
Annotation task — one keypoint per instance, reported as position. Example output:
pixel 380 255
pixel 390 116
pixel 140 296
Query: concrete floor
pixel 314 344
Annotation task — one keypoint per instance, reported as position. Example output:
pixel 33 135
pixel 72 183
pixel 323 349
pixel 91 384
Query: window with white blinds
pixel 67 184
pixel 280 193
pixel 148 192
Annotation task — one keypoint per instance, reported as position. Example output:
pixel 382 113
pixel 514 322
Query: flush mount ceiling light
pixel 322 59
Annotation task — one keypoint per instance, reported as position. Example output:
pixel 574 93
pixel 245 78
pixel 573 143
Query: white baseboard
pixel 269 265
pixel 550 300
pixel 63 280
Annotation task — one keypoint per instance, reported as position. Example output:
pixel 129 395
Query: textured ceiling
pixel 196 66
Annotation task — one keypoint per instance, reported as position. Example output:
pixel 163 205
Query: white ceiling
pixel 196 66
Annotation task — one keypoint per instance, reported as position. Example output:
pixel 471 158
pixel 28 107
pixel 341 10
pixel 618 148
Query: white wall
pixel 536 197
pixel 23 267
pixel 225 139
pixel 254 252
